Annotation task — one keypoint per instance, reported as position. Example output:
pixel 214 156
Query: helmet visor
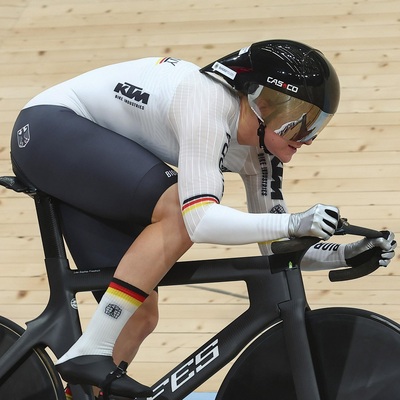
pixel 287 116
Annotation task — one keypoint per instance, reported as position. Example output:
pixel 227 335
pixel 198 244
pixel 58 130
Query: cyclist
pixel 103 143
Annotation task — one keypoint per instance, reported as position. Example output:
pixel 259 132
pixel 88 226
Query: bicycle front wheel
pixel 34 377
pixel 356 356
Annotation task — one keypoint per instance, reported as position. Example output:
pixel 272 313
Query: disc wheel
pixel 356 356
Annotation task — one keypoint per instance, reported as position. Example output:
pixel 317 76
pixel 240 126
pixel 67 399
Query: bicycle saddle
pixel 12 182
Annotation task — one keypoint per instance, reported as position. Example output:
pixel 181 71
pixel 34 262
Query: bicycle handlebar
pixel 344 228
pixel 365 268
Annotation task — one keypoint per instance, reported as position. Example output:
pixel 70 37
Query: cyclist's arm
pixel 324 255
pixel 204 115
pixel 262 175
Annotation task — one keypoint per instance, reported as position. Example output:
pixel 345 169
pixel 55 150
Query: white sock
pixel 117 305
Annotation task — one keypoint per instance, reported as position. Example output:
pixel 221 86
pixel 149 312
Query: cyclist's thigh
pixel 88 166
pixel 96 242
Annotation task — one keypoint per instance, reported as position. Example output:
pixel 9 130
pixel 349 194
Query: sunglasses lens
pixel 287 116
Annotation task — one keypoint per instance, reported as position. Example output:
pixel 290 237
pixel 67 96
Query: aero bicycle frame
pixel 275 291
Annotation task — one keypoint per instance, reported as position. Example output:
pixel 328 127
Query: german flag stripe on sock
pixel 126 292
pixel 198 201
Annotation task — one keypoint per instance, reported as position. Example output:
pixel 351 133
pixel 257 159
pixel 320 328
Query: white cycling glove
pixel 319 221
pixel 359 252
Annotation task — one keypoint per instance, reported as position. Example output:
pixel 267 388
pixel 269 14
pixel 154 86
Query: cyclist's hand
pixel 358 253
pixel 319 221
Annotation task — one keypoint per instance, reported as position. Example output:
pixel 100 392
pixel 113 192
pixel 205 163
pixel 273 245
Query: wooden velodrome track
pixel 354 164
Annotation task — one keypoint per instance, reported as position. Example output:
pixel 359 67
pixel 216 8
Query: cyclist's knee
pixel 168 206
pixel 168 212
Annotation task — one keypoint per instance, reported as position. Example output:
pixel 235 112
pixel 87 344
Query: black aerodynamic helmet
pixel 291 87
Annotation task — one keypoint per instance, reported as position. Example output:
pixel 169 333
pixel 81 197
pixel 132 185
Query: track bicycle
pixel 283 349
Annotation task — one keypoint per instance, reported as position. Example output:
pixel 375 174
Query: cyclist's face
pixel 280 147
pixel 288 116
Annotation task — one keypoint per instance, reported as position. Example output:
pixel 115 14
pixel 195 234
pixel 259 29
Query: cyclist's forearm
pixel 324 255
pixel 227 226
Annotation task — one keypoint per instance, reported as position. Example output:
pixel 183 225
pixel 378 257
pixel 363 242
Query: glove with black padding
pixel 360 252
pixel 319 221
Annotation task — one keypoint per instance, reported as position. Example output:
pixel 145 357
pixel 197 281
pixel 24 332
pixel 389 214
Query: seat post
pixel 47 214
pixel 49 223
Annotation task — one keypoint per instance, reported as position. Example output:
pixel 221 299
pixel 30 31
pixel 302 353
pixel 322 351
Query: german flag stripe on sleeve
pixel 198 201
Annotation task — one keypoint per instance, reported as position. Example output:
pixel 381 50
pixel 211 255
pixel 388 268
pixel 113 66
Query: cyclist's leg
pixel 138 327
pixel 88 166
pixel 95 242
pixel 159 245
pixel 97 170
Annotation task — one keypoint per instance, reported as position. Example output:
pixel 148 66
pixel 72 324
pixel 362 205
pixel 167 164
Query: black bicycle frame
pixel 272 293
pixel 275 290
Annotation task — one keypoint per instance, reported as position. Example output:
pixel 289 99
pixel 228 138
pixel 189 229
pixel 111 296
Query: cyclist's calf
pixel 138 327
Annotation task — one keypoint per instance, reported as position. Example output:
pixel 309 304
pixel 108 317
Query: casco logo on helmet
pixel 283 85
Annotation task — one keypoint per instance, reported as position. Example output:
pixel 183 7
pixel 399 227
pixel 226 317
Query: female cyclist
pixel 103 144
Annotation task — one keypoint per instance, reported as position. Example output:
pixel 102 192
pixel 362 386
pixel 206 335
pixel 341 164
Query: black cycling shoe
pixel 68 395
pixel 101 371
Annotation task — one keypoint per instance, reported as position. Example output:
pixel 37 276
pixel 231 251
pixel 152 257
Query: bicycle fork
pixel 296 338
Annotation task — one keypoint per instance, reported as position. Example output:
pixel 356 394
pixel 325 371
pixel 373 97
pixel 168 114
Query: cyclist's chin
pixel 284 157
pixel 283 150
